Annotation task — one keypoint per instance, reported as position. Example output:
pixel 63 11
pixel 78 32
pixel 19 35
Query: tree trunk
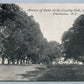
pixel 13 62
pixel 2 60
pixel 8 61
pixel 17 61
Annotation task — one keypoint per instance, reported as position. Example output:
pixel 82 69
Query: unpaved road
pixel 11 72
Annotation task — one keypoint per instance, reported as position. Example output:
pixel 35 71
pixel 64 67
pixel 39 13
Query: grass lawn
pixel 63 73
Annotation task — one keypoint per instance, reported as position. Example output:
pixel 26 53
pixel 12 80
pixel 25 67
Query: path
pixel 16 72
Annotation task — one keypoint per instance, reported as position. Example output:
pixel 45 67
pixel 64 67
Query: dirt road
pixel 17 72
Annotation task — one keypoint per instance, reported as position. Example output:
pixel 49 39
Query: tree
pixel 22 37
pixel 73 40
pixel 51 52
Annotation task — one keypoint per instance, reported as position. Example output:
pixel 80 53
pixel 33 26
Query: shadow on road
pixel 32 75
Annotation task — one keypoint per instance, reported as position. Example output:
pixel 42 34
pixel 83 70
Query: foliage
pixel 21 38
pixel 51 51
pixel 21 34
pixel 73 40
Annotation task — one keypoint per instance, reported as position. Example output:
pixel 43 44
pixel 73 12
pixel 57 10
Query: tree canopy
pixel 21 38
pixel 73 40
pixel 20 33
pixel 51 52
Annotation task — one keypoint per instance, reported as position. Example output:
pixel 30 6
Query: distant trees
pixel 51 52
pixel 73 40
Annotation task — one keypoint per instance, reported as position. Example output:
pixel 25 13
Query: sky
pixel 54 19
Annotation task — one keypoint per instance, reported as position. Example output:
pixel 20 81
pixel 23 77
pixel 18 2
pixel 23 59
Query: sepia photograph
pixel 41 42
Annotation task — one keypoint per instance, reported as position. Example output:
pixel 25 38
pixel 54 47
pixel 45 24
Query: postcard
pixel 42 42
